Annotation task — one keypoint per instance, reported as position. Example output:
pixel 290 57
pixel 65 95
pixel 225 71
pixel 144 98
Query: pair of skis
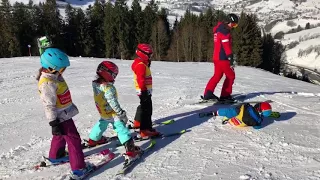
pixel 238 99
pixel 107 157
pixel 47 162
pixel 115 138
pixel 127 166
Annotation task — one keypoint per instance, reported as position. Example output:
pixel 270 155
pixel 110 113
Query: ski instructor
pixel 222 59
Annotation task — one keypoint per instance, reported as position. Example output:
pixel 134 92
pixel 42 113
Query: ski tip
pixel 184 131
pixel 153 142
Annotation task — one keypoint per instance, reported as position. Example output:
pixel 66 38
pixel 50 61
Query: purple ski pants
pixel 72 138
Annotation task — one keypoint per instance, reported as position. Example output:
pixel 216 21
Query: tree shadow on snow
pixel 284 117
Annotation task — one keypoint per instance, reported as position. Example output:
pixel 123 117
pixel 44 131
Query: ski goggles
pixel 103 68
pixel 150 55
pixel 62 70
pixel 234 25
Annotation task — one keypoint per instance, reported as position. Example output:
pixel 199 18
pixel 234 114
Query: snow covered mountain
pixel 284 148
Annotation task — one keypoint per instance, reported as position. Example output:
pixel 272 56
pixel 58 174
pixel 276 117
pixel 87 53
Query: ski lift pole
pixel 29 46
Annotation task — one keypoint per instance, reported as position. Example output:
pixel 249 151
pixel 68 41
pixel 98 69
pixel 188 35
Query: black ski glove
pixel 232 62
pixel 56 127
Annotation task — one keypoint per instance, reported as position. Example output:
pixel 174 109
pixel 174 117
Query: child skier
pixel 59 110
pixel 106 100
pixel 143 85
pixel 245 114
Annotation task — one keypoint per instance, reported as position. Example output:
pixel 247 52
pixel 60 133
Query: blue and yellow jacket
pixel 241 116
pixel 106 99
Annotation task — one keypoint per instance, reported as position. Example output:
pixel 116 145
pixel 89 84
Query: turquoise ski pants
pixel 100 127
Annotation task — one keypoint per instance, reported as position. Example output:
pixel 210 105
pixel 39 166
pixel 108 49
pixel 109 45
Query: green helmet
pixel 43 43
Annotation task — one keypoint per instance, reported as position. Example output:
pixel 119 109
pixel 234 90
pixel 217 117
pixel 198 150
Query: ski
pixel 167 122
pixel 109 139
pixel 47 162
pixel 137 138
pixel 239 102
pixel 238 98
pixel 108 156
pixel 274 114
pixel 125 167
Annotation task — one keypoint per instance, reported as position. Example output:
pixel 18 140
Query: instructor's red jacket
pixel 222 42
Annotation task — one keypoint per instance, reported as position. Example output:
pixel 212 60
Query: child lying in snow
pixel 245 114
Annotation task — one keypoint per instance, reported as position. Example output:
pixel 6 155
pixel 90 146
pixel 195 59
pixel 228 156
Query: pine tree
pixel 23 27
pixel 83 38
pixel 150 17
pixel 173 52
pixel 70 31
pixel 247 44
pixel 161 36
pixel 201 38
pixel 9 45
pixel 272 55
pixel 110 30
pixel 307 26
pixel 278 61
pixel 137 22
pixel 52 23
pixel 96 28
pixel 256 41
pixel 188 31
pixel 210 22
pixel 123 28
pixel 37 17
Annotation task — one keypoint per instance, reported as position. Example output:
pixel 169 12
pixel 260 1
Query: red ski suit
pixel 222 51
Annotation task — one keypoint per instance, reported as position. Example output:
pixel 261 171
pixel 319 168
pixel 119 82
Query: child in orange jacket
pixel 143 85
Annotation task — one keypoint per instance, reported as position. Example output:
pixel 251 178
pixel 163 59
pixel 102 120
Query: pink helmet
pixel 107 70
pixel 144 52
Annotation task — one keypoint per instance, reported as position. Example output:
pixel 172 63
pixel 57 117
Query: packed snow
pixel 284 148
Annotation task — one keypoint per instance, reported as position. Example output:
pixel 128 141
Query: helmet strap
pixel 53 71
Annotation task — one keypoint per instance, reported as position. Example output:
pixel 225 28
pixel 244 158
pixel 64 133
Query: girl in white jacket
pixel 59 110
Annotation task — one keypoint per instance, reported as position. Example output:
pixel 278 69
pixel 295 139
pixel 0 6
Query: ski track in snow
pixel 284 148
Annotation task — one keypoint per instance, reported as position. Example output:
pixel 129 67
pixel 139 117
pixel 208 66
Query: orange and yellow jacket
pixel 142 76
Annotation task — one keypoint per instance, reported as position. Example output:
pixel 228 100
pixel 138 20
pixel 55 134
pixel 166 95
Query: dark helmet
pixel 232 18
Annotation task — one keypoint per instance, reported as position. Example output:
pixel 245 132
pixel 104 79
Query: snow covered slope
pixel 284 148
